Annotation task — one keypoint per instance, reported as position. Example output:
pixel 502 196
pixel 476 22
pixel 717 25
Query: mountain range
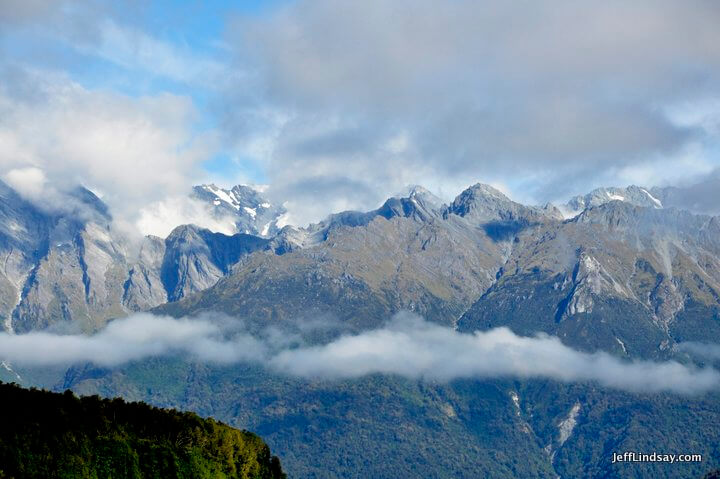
pixel 70 268
pixel 618 270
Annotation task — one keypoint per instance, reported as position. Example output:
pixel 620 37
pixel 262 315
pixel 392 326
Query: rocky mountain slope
pixel 412 253
pixel 634 195
pixel 618 277
pixel 68 267
pixel 485 261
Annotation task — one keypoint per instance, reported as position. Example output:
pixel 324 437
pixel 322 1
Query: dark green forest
pixel 51 435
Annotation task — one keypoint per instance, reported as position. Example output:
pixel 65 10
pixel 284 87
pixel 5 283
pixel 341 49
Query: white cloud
pixel 137 337
pixel 416 349
pixel 135 150
pixel 161 217
pixel 547 99
pixel 406 346
pixel 134 49
pixel 29 182
pixel 342 103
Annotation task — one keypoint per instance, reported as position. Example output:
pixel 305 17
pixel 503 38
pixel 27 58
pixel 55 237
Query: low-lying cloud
pixel 702 350
pixel 134 338
pixel 406 346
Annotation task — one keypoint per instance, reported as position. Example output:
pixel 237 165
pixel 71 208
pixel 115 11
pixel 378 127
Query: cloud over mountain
pixel 407 346
pixel 56 134
pixel 367 97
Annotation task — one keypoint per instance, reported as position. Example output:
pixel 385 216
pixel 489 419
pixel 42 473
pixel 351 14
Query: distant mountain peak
pixel 482 203
pixel 485 189
pixel 86 199
pixel 251 211
pixel 478 195
pixel 634 195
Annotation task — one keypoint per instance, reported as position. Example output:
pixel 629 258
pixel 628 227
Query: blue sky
pixel 190 29
pixel 339 104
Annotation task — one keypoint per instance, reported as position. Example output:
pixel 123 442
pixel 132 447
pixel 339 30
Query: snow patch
pixel 251 211
pixel 222 195
pixel 658 203
pixel 614 197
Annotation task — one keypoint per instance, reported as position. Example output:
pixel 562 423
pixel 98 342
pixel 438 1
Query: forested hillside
pixel 48 435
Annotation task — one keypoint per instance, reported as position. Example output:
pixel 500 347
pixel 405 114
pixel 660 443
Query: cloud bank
pixel 406 346
pixel 339 104
pixel 56 134
pixel 355 100
pixel 161 217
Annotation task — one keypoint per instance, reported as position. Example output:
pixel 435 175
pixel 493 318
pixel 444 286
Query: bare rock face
pixel 143 288
pixel 69 268
pixel 196 258
pixel 591 280
pixel 79 279
pixel 618 277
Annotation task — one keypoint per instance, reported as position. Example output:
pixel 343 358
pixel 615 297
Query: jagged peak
pixel 419 191
pixel 250 211
pixel 483 203
pixel 634 195
pixel 414 201
pixel 479 192
pixel 184 231
pixel 483 189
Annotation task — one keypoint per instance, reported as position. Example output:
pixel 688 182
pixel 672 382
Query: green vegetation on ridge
pixel 51 435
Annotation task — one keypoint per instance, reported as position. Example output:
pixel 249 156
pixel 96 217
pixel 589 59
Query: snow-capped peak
pixel 251 212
